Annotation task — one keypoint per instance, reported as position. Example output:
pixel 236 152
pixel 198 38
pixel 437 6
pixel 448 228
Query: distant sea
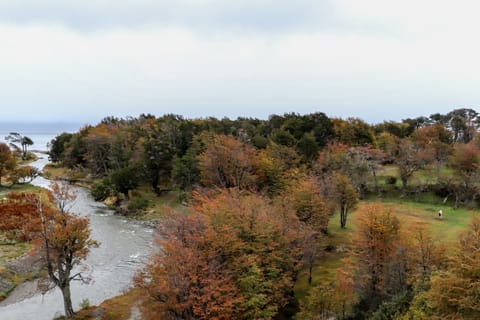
pixel 40 133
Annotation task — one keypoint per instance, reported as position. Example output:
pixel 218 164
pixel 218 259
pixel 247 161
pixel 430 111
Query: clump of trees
pixel 20 143
pixel 263 193
pixel 11 172
pixel 235 257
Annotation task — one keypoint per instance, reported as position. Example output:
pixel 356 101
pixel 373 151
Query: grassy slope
pixel 445 230
pixel 116 308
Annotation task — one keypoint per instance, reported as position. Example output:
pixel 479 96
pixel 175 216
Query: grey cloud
pixel 256 15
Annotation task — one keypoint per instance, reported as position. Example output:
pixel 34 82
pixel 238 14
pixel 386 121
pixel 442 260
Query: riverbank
pixel 20 262
pixel 125 245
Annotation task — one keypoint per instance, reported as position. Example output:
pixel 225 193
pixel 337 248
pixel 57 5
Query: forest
pixel 292 217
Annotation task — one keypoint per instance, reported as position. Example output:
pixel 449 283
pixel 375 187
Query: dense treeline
pixel 260 195
pixel 171 152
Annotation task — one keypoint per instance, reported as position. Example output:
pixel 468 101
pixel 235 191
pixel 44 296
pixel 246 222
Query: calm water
pixel 125 245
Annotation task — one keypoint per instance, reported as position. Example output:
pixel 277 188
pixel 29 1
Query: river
pixel 125 245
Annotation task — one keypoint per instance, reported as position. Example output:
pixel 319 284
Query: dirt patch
pixel 26 264
pixel 23 291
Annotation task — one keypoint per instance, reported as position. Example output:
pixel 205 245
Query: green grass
pixel 12 250
pixel 325 270
pixel 116 308
pixel 158 206
pixel 19 188
pixel 410 213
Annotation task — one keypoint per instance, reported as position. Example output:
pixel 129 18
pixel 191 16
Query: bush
pixel 138 204
pixel 393 308
pixel 85 304
pixel 101 190
pixel 124 180
pixel 391 180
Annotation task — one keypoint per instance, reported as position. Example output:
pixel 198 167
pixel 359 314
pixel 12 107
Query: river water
pixel 125 245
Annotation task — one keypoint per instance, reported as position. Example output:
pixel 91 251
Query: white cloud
pixel 373 59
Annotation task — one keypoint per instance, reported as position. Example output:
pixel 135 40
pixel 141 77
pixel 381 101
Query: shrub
pixel 138 204
pixel 101 190
pixel 391 180
pixel 85 304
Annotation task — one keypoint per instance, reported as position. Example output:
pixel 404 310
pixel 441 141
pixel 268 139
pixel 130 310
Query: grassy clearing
pixel 325 270
pixel 55 171
pixel 19 188
pixel 117 308
pixel 10 250
pixel 444 231
pixel 157 206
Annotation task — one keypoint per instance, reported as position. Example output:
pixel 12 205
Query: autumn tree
pixel 425 254
pixel 311 252
pixel 66 242
pixel 98 140
pixel 344 195
pixel 63 238
pixel 437 139
pixel 309 204
pixel 234 257
pixel 353 132
pixel 7 161
pixel 228 163
pixel 63 194
pixel 344 296
pixel 411 157
pixel 465 162
pixel 373 248
pixel 359 163
pixel 23 175
pixel 454 291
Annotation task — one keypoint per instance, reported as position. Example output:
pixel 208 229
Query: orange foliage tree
pixel 344 195
pixel 7 161
pixel 373 248
pixel 454 291
pixel 234 257
pixel 228 163
pixel 63 238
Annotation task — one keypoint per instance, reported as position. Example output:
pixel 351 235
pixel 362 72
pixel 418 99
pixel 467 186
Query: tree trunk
pixel 67 301
pixel 404 184
pixel 154 183
pixel 343 217
pixel 310 269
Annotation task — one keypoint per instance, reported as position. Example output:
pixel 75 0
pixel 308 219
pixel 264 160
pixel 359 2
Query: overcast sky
pixel 82 60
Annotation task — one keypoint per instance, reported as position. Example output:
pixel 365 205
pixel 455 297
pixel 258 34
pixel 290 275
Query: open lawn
pixel 445 230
